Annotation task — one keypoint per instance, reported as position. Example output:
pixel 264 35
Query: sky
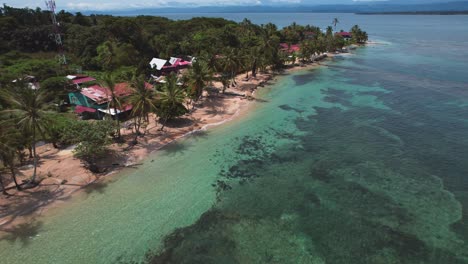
pixel 83 5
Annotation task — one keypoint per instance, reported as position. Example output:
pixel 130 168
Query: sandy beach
pixel 62 175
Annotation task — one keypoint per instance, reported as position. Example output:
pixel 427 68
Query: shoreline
pixel 58 185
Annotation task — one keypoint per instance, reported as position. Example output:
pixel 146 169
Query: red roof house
pixel 344 34
pixel 96 97
pixel 176 64
pixel 80 78
pixel 290 48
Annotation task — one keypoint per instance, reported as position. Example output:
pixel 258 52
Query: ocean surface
pixel 364 160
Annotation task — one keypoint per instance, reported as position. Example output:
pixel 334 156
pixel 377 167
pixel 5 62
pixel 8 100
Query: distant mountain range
pixel 357 7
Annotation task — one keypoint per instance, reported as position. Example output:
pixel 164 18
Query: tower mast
pixel 57 36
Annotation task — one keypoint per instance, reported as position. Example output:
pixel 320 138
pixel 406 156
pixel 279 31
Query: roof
pixel 176 63
pixel 83 80
pixel 80 109
pixel 344 34
pixel 79 78
pixel 291 48
pixel 157 63
pixel 96 93
pixel 114 111
pixel 174 60
pixel 102 95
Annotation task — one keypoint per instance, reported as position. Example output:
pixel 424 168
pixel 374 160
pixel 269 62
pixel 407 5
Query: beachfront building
pixel 158 64
pixel 345 35
pixel 167 66
pixel 177 64
pixel 80 79
pixel 93 102
pixel 290 48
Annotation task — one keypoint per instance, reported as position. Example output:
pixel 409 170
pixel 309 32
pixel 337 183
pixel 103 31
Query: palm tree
pixel 358 35
pixel 270 29
pixel 29 115
pixel 114 102
pixel 8 156
pixel 330 39
pixel 253 58
pixel 2 185
pixel 171 100
pixel 247 28
pixel 198 76
pixel 269 43
pixel 335 22
pixel 211 60
pixel 107 54
pixel 143 102
pixel 7 152
pixel 231 64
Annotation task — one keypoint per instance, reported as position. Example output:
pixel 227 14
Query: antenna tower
pixel 57 36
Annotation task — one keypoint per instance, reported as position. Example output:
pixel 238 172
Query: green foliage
pixel 142 100
pixel 358 35
pixel 9 143
pixel 57 89
pixel 111 55
pixel 92 138
pixel 198 76
pixel 100 42
pixel 171 99
pixel 40 68
pixel 122 74
pixel 57 131
pixel 115 101
pixel 28 112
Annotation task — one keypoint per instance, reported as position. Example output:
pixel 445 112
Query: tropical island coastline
pixel 215 101
pixel 60 184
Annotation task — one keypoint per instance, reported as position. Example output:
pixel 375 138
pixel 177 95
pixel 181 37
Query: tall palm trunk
pixel 13 176
pixel 166 117
pixel 233 77
pixel 112 103
pixel 137 126
pixel 118 121
pixel 30 152
pixel 33 178
pixel 119 135
pixel 2 185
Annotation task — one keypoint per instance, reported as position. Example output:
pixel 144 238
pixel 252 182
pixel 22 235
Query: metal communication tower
pixel 57 36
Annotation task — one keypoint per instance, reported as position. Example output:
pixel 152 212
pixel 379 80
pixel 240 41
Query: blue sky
pixel 76 5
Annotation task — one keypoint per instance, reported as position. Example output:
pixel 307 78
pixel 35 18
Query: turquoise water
pixel 361 161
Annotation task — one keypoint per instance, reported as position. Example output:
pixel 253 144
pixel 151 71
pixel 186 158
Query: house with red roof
pixel 172 65
pixel 345 35
pixel 293 48
pixel 93 101
pixel 79 79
